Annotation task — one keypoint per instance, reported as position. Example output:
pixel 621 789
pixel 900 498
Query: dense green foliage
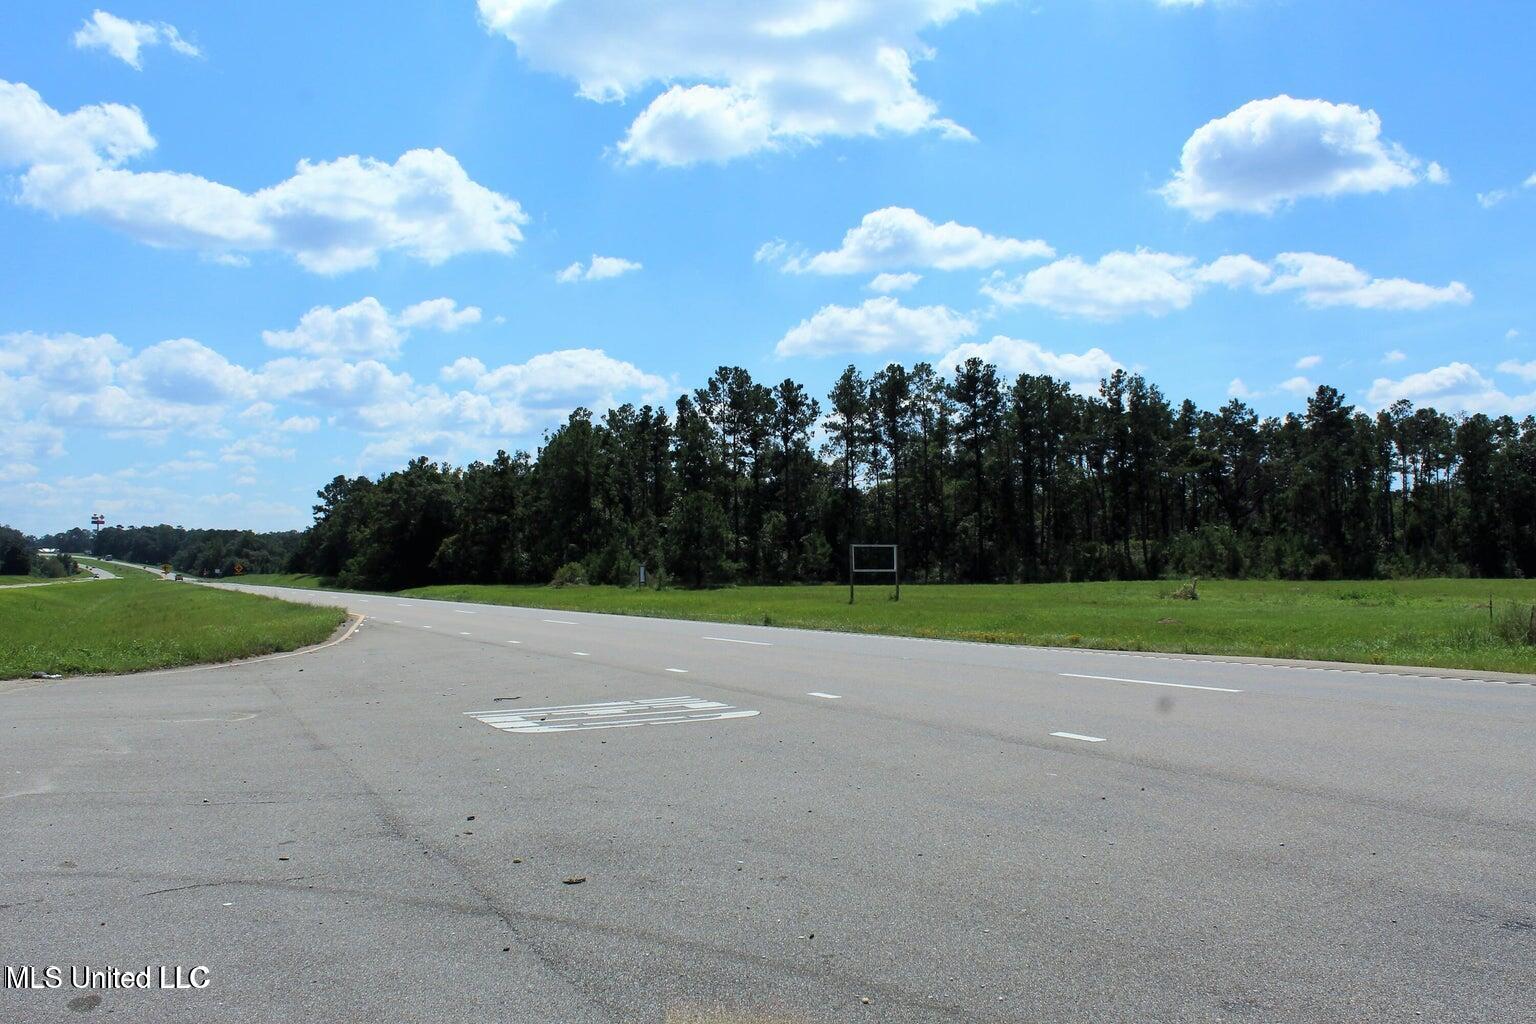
pixel 140 622
pixel 978 479
pixel 195 552
pixel 1431 622
pixel 21 562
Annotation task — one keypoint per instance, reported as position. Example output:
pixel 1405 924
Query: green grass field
pixel 138 622
pixel 1438 623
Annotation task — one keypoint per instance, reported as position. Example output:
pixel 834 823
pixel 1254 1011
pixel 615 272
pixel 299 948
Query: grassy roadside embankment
pixel 23 581
pixel 1437 623
pixel 139 622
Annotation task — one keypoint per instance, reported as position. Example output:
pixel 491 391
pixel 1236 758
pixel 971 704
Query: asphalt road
pixel 952 832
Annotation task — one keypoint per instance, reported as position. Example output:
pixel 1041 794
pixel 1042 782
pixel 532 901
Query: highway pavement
pixel 465 812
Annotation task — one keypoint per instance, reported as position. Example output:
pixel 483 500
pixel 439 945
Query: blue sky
pixel 245 248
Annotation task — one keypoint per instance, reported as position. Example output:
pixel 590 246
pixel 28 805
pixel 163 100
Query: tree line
pixel 978 479
pixel 199 552
pixel 19 556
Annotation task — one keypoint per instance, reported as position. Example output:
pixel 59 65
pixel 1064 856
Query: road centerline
pixel 1079 736
pixel 1149 682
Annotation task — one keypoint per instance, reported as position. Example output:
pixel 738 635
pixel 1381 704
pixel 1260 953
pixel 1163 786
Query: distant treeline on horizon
pixel 977 478
pixel 201 552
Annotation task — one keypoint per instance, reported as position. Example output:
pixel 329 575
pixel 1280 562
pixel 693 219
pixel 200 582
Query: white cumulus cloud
pixel 1525 371
pixel 32 132
pixel 183 370
pixel 600 268
pixel 564 379
pixel 1119 284
pixel 124 39
pixel 739 76
pixel 1454 387
pixel 898 238
pixel 367 329
pixel 878 325
pixel 1013 356
pixel 330 216
pixel 1300 387
pixel 1268 153
pixel 887 283
pixel 1329 281
pixel 1150 283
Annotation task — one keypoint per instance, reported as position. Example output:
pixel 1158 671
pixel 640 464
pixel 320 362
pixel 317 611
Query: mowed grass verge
pixel 1437 623
pixel 13 581
pixel 138 622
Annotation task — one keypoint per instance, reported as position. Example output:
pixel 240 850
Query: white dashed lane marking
pixel 1149 682
pixel 581 654
pixel 733 640
pixel 679 671
pixel 616 714
pixel 560 622
pixel 828 696
pixel 1079 736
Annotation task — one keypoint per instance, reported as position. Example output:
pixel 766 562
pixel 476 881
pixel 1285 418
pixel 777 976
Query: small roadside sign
pixel 239 568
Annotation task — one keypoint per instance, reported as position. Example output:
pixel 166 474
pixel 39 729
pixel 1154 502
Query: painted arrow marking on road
pixel 613 714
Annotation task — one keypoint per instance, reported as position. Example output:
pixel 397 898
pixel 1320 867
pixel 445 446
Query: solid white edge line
pixel 1079 736
pixel 1149 682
